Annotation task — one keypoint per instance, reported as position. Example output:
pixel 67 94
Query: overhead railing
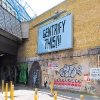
pixel 9 23
pixel 18 8
pixel 8 8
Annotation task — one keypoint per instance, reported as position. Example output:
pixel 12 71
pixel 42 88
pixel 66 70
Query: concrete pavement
pixel 23 92
pixel 28 95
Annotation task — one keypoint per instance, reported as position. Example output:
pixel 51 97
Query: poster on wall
pixel 49 71
pixel 22 75
pixel 94 73
pixel 85 76
pixel 57 35
pixel 88 80
pixel 53 65
pixel 76 86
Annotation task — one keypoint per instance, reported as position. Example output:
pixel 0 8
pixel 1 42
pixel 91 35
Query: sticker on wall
pixel 53 65
pixel 88 80
pixel 49 71
pixel 45 64
pixel 85 76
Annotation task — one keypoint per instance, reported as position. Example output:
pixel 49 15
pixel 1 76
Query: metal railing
pixel 9 23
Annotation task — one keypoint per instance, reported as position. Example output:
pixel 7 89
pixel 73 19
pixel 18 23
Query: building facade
pixel 14 27
pixel 64 46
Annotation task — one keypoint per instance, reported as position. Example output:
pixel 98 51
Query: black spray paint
pixel 69 71
pixel 52 35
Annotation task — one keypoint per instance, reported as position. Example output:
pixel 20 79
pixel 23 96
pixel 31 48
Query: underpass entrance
pixel 35 75
pixel 7 67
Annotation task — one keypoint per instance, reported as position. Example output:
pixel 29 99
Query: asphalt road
pixel 72 95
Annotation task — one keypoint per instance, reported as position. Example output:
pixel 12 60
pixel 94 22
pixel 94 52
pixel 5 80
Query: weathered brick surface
pixel 86 26
pixel 86 34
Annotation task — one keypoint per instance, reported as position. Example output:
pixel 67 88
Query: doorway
pixel 35 75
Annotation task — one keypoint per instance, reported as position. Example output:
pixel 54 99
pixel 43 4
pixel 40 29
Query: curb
pixel 68 97
pixel 61 96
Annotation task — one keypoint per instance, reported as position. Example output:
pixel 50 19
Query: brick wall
pixel 86 33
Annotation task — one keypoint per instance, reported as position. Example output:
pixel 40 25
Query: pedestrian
pixel 45 84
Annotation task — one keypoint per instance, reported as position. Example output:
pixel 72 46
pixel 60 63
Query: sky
pixel 40 6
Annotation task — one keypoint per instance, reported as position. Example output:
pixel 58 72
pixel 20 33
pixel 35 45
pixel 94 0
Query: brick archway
pixel 34 78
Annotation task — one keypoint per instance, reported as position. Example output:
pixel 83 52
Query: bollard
pixel 82 97
pixel 51 87
pixel 55 95
pixel 35 94
pixel 6 92
pixel 10 88
pixel 12 93
pixel 2 86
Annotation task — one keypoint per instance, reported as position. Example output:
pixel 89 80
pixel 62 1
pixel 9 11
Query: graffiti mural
pixel 70 84
pixel 89 88
pixel 69 71
pixel 98 81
